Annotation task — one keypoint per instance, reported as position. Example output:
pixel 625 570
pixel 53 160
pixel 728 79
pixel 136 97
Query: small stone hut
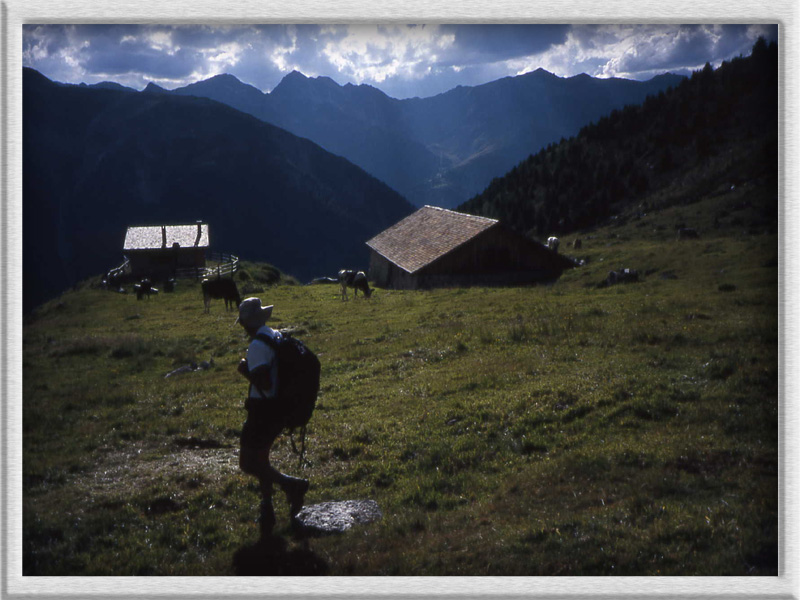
pixel 435 247
pixel 162 251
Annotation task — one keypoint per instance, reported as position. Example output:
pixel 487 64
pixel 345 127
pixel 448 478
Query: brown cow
pixel 224 289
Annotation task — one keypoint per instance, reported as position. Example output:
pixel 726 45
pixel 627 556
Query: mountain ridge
pixel 393 140
pixel 717 129
pixel 98 160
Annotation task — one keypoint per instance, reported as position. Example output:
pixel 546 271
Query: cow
pixel 552 243
pixel 622 276
pixel 687 233
pixel 356 280
pixel 144 288
pixel 221 288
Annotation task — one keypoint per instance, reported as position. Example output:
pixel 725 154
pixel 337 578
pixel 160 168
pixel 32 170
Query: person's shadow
pixel 271 556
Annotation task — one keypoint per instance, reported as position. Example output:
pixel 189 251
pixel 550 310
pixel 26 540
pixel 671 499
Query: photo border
pixel 15 13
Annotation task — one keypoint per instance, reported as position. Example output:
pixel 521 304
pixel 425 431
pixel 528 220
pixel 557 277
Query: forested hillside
pixel 96 161
pixel 715 130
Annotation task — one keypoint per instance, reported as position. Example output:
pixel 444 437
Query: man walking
pixel 265 417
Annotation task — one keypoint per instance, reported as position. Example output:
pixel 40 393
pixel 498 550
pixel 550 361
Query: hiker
pixel 265 418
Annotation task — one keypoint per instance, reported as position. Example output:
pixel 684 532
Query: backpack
pixel 298 383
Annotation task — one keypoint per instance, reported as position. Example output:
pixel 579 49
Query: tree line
pixel 621 159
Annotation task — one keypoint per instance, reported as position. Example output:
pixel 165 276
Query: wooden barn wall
pixel 386 274
pixel 159 263
pixel 495 257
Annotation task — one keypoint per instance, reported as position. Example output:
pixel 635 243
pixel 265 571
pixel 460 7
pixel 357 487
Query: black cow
pixel 144 288
pixel 622 276
pixel 356 280
pixel 224 289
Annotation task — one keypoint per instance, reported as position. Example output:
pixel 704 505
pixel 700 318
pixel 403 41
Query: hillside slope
pixel 98 160
pixel 571 429
pixel 714 131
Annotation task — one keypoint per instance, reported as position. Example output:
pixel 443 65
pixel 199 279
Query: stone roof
pixel 152 237
pixel 427 235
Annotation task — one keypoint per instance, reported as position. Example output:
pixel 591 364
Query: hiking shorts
pixel 262 426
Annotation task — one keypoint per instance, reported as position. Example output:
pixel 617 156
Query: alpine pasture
pixel 569 429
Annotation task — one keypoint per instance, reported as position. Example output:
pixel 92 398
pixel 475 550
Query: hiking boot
pixel 296 492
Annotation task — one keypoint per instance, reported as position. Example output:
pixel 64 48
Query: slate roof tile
pixel 426 235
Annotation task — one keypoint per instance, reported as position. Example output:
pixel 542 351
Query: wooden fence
pixel 119 271
pixel 217 265
pixel 226 265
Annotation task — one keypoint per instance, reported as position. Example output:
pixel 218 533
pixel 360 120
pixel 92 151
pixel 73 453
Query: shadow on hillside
pixel 271 556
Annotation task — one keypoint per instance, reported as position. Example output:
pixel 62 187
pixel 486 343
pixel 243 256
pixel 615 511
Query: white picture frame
pixel 16 13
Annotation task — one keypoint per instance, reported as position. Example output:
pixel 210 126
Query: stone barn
pixel 435 247
pixel 163 251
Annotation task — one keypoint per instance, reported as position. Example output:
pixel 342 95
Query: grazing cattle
pixel 224 289
pixel 356 280
pixel 144 288
pixel 113 280
pixel 552 243
pixel 686 233
pixel 623 276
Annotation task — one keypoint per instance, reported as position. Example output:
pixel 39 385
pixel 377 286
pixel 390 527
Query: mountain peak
pixel 289 82
pixel 153 88
pixel 108 85
pixel 223 77
pixel 222 83
pixel 540 72
pixel 326 81
pixel 295 82
pixel 294 76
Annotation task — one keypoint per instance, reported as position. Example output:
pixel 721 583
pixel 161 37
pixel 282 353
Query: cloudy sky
pixel 402 60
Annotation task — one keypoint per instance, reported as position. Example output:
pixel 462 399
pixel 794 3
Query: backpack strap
pixel 272 343
pixel 301 453
pixel 268 340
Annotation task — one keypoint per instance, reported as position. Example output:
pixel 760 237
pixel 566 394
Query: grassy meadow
pixel 566 429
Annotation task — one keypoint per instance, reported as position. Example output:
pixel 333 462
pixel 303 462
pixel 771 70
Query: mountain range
pixel 300 177
pixel 97 159
pixel 440 150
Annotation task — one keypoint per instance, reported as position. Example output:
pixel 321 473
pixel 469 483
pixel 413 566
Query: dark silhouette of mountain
pixel 439 150
pixel 359 123
pixel 719 125
pixel 109 85
pixel 97 160
pixel 228 90
pixel 153 88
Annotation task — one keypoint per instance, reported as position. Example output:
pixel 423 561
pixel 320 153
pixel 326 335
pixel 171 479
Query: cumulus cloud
pixel 482 44
pixel 643 51
pixel 402 60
